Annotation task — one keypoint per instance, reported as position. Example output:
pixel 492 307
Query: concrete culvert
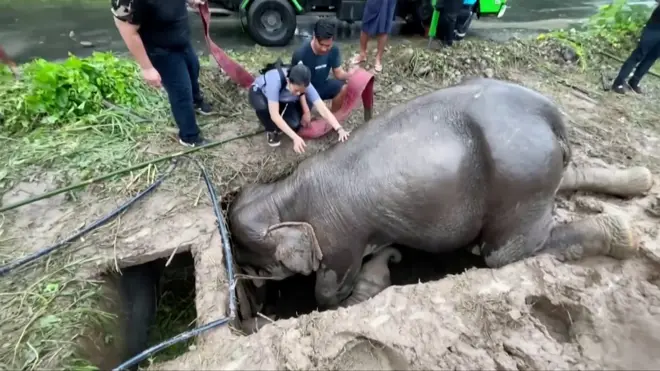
pixel 151 302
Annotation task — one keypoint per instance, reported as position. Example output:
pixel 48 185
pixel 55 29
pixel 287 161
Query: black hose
pixel 45 251
pixel 224 235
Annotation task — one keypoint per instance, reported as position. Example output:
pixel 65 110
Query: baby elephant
pixel 374 276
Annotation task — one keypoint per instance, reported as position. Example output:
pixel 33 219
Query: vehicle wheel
pixel 271 22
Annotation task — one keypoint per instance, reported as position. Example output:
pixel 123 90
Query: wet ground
pixel 28 30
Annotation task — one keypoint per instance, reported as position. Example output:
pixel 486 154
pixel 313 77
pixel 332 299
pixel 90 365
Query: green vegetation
pixel 82 117
pixel 613 31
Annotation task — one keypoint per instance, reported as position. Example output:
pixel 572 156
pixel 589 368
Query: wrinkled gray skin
pixel 476 163
pixel 374 276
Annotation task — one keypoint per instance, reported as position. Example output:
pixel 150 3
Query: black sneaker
pixel 273 138
pixel 635 88
pixel 198 143
pixel 619 88
pixel 203 108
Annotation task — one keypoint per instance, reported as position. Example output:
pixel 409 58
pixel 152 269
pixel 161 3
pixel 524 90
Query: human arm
pixel 337 70
pixel 306 112
pixel 127 23
pixel 325 112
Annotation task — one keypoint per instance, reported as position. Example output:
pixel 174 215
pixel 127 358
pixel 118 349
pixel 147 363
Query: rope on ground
pixel 123 171
pixel 224 235
pixel 46 251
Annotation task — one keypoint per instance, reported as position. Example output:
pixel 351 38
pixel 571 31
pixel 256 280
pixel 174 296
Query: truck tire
pixel 271 22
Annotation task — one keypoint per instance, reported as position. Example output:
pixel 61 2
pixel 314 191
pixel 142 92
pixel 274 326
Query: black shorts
pixel 291 112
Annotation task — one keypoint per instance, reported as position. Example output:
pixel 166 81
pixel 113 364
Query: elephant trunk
pixel 629 182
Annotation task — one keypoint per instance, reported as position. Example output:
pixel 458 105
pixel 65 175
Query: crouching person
pixel 276 98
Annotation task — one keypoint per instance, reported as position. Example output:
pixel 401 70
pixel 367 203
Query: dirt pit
pixel 160 297
pixel 294 296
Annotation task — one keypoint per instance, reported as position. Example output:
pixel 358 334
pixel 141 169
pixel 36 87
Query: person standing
pixel 377 21
pixel 643 57
pixel 157 34
pixel 321 56
pixel 447 22
pixel 280 98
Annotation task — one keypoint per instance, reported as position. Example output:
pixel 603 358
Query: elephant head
pixel 266 244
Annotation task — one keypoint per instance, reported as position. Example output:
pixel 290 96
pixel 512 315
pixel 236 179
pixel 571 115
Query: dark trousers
pixel 179 73
pixel 291 112
pixel 447 22
pixel 643 57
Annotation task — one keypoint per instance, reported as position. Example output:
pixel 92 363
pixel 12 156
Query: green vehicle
pixel 273 22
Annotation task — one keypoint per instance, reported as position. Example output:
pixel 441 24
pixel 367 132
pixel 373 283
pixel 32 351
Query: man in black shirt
pixel 643 57
pixel 157 33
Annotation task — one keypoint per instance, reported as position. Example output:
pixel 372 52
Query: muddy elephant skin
pixel 374 276
pixel 476 163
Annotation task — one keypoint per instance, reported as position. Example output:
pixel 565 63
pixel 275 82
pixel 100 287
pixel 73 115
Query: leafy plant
pixel 52 94
pixel 615 26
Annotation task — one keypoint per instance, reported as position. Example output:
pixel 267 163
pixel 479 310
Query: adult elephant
pixel 476 163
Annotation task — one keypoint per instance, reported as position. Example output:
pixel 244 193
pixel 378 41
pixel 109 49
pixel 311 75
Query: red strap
pixel 361 84
pixel 235 71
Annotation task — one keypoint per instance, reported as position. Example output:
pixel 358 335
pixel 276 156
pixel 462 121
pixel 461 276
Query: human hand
pixel 343 134
pixel 151 76
pixel 299 145
pixel 354 69
pixel 194 3
pixel 306 119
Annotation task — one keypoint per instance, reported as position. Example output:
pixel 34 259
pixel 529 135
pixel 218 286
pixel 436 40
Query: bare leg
pixel 364 41
pixel 382 40
pixel 629 182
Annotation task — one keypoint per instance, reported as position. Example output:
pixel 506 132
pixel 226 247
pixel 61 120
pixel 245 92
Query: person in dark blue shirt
pixel 643 57
pixel 157 33
pixel 321 57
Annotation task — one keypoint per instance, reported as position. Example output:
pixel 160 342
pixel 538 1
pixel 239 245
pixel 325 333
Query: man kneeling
pixel 275 96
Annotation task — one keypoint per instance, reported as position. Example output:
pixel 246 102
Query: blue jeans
pixel 643 57
pixel 179 73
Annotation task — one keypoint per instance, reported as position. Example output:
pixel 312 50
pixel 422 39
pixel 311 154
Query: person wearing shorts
pixel 276 98
pixel 321 56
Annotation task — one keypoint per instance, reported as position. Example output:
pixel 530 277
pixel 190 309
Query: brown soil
pixel 536 314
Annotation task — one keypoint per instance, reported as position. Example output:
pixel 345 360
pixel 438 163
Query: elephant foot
pixel 609 235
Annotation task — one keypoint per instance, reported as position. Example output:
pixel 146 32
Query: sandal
pixel 378 67
pixel 358 59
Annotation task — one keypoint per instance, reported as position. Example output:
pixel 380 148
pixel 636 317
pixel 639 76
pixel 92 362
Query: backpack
pixel 279 65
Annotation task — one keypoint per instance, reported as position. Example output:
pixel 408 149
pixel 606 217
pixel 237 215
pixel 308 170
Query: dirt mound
pixel 535 314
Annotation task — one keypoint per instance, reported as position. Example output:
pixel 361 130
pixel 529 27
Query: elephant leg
pixel 610 235
pixel 374 276
pixel 634 181
pixel 603 234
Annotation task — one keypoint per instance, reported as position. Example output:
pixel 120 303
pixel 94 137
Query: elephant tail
pixel 558 127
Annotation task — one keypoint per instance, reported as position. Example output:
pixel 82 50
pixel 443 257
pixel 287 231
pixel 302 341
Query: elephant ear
pixel 296 246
